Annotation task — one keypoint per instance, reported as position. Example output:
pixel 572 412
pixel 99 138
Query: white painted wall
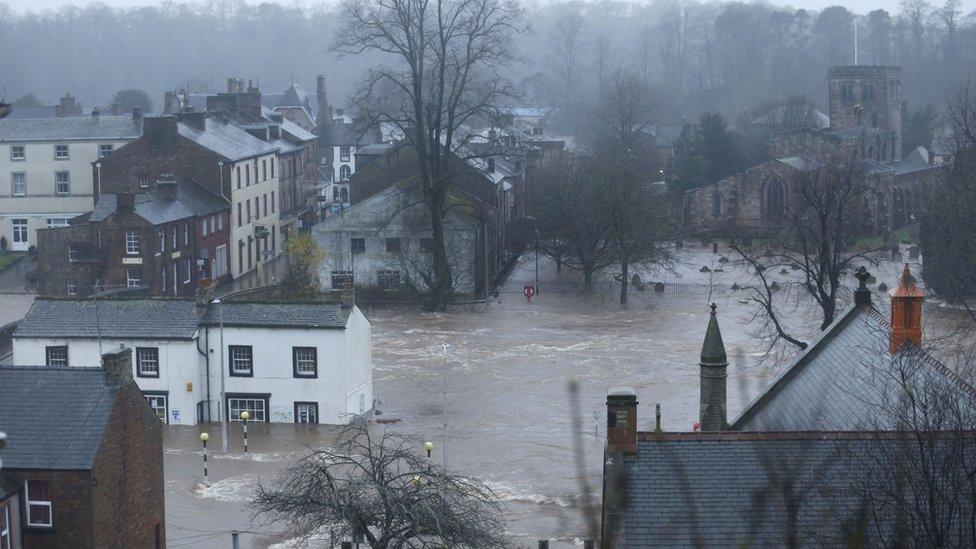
pixel 41 202
pixel 179 367
pixel 344 379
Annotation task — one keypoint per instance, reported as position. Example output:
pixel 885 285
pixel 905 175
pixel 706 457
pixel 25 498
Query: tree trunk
pixel 559 264
pixel 440 294
pixel 624 280
pixel 587 279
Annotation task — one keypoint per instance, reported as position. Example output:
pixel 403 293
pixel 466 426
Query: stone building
pixel 83 463
pixel 787 470
pixel 865 128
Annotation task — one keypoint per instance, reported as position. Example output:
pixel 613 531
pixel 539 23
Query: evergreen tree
pixel 721 154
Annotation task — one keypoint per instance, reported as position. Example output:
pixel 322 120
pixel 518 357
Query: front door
pixel 20 235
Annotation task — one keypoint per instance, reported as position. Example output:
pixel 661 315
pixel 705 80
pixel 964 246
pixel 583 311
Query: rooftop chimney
pixel 622 421
pixel 234 85
pixel 118 366
pixel 713 370
pixel 125 202
pixel 197 120
pixel 95 113
pixel 906 312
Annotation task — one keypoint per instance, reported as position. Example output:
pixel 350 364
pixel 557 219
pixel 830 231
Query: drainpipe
pixel 220 179
pixel 206 356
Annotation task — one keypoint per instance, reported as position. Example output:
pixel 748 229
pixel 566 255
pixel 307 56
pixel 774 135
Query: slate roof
pixel 226 139
pixel 54 417
pixel 854 133
pixel 842 379
pixel 721 489
pixel 70 128
pixel 191 200
pixel 295 96
pixel 915 161
pixel 347 134
pixel 47 111
pixel 122 318
pixel 282 315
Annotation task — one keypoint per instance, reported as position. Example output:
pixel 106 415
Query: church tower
pixel 906 312
pixel 868 97
pixel 713 372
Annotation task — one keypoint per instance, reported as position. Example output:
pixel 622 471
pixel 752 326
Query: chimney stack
pixel 234 85
pixel 906 312
pixel 713 370
pixel 118 366
pixel 95 113
pixel 125 202
pixel 622 421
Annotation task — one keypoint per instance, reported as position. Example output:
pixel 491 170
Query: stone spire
pixel 713 371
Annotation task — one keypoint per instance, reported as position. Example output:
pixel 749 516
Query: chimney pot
pixel 137 113
pixel 622 421
pixel 118 366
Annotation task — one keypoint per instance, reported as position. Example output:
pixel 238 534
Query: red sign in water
pixel 529 291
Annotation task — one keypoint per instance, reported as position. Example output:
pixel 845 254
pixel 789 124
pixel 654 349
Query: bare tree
pixel 382 487
pixel 824 208
pixel 566 38
pixel 444 74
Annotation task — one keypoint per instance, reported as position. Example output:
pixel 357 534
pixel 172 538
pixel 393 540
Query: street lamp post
pixel 535 232
pixel 223 394
pixel 428 446
pixel 204 437
pixel 244 417
pixel 444 407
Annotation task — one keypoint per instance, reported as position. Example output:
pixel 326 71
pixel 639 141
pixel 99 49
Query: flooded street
pixel 510 422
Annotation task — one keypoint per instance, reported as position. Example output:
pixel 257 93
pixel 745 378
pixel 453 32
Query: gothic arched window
pixel 774 199
pixel 345 173
pixel 716 204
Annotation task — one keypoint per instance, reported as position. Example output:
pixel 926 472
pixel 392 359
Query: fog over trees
pixel 697 57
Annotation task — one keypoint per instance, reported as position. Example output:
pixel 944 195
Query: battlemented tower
pixel 867 97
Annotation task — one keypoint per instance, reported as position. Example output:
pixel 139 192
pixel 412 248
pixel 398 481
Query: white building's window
pixel 345 172
pixel 157 401
pixel 132 242
pixel 220 261
pixel 53 222
pixel 306 412
pixel 72 253
pixel 62 182
pixel 18 153
pixel 60 152
pixel 340 279
pixel 344 154
pixel 18 183
pixel 72 287
pixel 38 504
pixel 20 231
pixel 5 527
pixel 105 150
pixel 143 182
pixel 147 361
pixel 56 355
pixel 256 407
pixel 133 277
pixel 358 245
pixel 241 360
pixel 305 361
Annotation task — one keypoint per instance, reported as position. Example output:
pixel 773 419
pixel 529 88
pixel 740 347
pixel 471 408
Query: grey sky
pixel 860 6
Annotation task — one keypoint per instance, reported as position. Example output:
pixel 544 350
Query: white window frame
pixel 72 288
pixel 205 228
pixel 173 238
pixel 18 158
pixel 162 239
pixel 162 278
pixel 188 270
pixel 235 405
pixel 47 356
pixel 143 182
pixel 310 413
pixel 5 526
pixel 154 400
pixel 220 222
pixel 57 152
pixel 306 361
pixel 130 281
pixel 62 177
pixel 20 229
pixel 345 153
pixel 141 359
pixel 176 276
pixel 105 149
pixel 54 222
pixel 72 253
pixel 186 233
pixel 41 503
pixel 132 244
pixel 234 360
pixel 22 183
pixel 220 259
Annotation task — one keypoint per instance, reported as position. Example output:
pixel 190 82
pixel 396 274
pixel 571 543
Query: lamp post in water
pixel 244 417
pixel 204 437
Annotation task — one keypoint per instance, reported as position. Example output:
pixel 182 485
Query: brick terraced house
pixel 83 463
